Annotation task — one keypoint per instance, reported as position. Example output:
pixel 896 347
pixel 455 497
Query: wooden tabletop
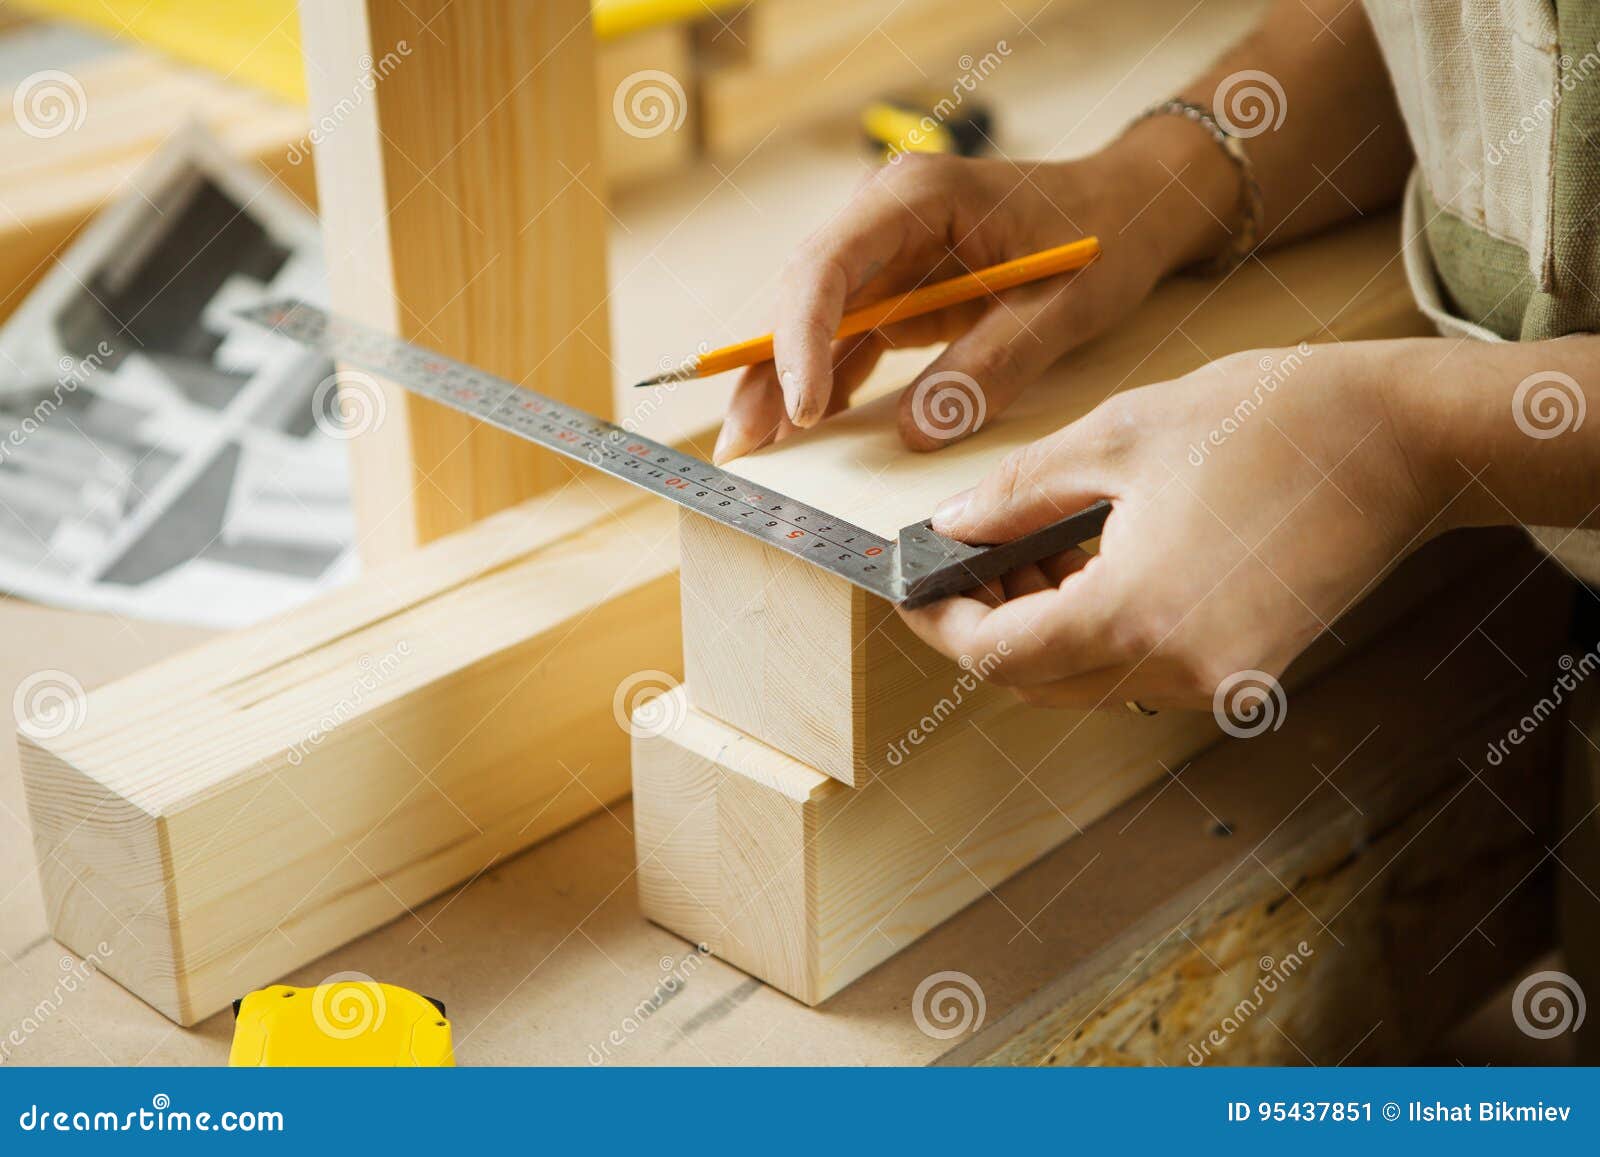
pixel 544 959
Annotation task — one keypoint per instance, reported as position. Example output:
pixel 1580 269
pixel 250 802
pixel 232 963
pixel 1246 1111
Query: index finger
pixel 814 286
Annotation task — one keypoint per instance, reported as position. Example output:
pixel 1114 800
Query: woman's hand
pixel 1253 501
pixel 926 218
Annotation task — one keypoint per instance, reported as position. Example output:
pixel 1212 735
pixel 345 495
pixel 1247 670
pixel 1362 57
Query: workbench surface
pixel 1360 830
pixel 1122 945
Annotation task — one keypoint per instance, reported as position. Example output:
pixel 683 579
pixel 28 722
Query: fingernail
pixel 950 510
pixel 789 383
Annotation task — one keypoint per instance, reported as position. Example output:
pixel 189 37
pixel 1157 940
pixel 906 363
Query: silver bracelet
pixel 1252 209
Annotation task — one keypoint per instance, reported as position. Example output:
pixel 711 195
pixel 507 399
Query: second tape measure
pixel 926 124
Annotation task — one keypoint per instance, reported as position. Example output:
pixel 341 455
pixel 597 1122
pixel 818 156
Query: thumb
pixel 1030 488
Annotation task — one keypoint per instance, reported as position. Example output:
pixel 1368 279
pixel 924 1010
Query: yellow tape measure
pixel 345 1022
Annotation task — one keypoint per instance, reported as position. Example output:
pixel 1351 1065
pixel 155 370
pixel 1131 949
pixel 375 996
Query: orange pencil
pixel 994 279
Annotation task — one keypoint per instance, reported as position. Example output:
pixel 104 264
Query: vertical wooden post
pixel 457 164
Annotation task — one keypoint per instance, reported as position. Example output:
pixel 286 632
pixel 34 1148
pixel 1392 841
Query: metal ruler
pixel 919 567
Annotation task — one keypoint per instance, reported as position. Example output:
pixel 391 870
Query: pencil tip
pixel 679 373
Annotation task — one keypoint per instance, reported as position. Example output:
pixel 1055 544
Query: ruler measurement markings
pixel 919 567
pixel 788 524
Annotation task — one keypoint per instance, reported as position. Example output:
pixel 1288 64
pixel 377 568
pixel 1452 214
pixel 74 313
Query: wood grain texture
pixel 807 884
pixel 518 955
pixel 239 810
pixel 828 674
pixel 459 207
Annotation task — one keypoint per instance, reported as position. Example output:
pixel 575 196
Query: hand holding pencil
pixel 902 307
pixel 916 225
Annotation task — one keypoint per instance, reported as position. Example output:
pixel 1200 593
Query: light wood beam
pixel 828 674
pixel 459 179
pixel 1143 934
pixel 221 818
pixel 807 884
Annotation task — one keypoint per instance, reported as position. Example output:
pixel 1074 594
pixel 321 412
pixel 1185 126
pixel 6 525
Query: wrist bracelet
pixel 1253 213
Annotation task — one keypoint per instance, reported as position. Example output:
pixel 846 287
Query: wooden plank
pixel 807 884
pixel 921 43
pixel 828 674
pixel 646 108
pixel 457 172
pixel 93 650
pixel 780 32
pixel 241 809
pixel 545 960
